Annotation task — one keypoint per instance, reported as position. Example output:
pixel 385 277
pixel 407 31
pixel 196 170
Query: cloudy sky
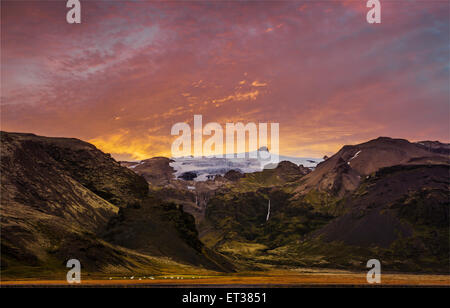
pixel 132 69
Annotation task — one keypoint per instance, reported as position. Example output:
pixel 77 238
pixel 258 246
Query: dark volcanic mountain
pixel 400 215
pixel 344 171
pixel 386 198
pixel 62 198
pixel 395 200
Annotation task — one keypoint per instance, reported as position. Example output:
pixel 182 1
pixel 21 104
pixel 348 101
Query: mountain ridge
pixel 59 198
pixel 343 171
pixel 62 197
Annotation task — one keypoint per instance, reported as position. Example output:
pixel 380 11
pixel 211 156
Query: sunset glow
pixel 130 70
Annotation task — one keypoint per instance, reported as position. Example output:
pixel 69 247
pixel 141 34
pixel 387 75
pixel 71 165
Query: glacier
pixel 206 167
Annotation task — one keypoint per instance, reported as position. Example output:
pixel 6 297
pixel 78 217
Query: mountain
pixel 254 214
pixel 63 198
pixel 190 181
pixel 156 170
pixel 343 171
pixel 53 192
pixel 399 215
pixel 204 168
pixel 163 229
pixel 385 198
pixel 435 146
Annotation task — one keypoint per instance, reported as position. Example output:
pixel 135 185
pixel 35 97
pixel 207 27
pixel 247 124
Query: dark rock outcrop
pixel 233 175
pixel 188 176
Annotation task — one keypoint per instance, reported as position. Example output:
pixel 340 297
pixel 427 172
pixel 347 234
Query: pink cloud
pixel 322 72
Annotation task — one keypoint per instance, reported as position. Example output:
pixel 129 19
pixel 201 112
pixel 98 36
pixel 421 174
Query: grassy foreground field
pixel 275 278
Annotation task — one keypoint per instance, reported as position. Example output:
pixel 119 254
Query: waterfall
pixel 268 211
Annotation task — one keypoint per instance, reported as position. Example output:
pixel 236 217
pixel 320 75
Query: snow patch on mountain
pixel 353 157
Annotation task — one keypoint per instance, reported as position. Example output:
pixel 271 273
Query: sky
pixel 132 69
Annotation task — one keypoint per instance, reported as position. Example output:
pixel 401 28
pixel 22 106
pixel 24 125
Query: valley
pixel 63 198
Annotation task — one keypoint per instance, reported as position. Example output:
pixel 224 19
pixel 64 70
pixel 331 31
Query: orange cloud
pixel 126 146
pixel 258 84
pixel 131 70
